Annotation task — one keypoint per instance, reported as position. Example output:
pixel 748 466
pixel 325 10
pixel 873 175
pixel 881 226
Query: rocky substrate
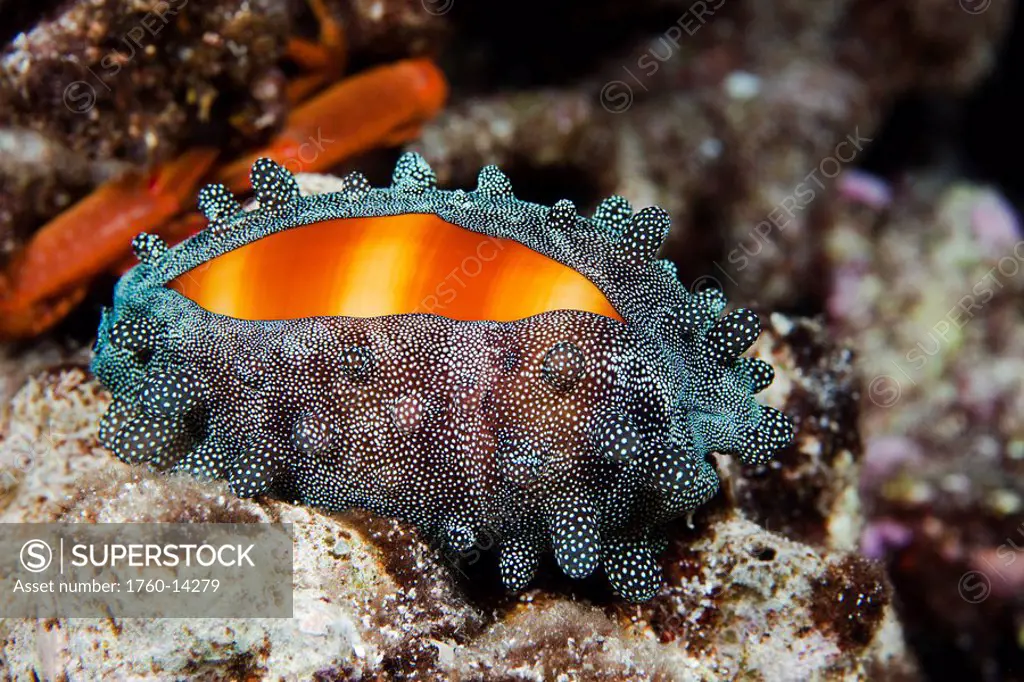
pixel 760 584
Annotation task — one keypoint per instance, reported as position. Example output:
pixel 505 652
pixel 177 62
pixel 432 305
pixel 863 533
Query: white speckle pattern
pixel 492 182
pixel 732 335
pixel 574 533
pixel 275 188
pixel 354 187
pixel 149 248
pixel 758 372
pixel 217 203
pixel 562 366
pixel 311 435
pixel 613 215
pixel 413 174
pixel 562 216
pixel 645 234
pixel 170 394
pixel 568 431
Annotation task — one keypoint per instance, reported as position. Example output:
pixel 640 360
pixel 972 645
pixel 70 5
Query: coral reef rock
pixel 776 98
pixel 929 292
pixel 373 601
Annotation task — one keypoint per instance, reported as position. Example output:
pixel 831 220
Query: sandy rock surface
pixel 373 601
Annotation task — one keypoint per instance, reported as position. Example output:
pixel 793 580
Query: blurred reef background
pixel 848 168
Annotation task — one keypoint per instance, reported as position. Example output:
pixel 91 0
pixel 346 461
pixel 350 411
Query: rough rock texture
pixel 768 91
pixel 722 125
pixel 38 178
pixel 776 97
pixel 100 85
pixel 372 601
pixel 90 87
pixel 133 78
pixel 810 490
pixel 929 290
pixel 389 29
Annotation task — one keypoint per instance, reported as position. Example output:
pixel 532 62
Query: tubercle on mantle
pixel 567 431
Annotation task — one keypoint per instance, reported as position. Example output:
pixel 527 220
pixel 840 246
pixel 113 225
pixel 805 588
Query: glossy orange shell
pixel 366 267
pixel 564 395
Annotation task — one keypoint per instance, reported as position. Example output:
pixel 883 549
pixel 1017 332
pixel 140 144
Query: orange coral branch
pixel 325 58
pixel 38 316
pixel 387 103
pixel 85 239
pixel 382 106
